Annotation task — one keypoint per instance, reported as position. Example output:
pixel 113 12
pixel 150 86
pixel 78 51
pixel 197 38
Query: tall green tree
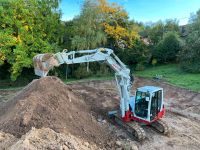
pixel 167 49
pixel 27 27
pixel 156 31
pixel 88 32
pixel 190 55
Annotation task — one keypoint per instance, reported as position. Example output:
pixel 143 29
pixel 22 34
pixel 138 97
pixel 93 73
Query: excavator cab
pixel 149 105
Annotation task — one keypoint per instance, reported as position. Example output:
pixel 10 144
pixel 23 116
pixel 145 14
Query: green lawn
pixel 89 79
pixel 173 74
pixel 10 85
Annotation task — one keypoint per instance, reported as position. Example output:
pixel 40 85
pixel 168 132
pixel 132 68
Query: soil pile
pixel 48 102
pixel 46 138
pixel 6 140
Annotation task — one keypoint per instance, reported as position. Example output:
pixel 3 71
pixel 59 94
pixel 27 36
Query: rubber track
pixel 132 128
pixel 161 126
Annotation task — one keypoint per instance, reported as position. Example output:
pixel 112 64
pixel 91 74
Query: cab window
pixel 141 104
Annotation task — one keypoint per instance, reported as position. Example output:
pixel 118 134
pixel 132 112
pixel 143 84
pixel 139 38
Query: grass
pixel 89 79
pixel 173 75
pixel 10 85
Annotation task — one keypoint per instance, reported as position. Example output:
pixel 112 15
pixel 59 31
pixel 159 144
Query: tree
pixel 171 26
pixel 156 32
pixel 27 27
pixel 119 30
pixel 168 48
pixel 88 32
pixel 137 56
pixel 190 55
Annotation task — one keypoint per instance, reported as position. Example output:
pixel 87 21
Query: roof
pixel 149 88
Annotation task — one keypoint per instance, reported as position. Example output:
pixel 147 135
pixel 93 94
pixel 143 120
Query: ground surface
pixel 78 112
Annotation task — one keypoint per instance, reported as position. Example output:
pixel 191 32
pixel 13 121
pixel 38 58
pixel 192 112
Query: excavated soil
pixel 49 103
pixel 78 112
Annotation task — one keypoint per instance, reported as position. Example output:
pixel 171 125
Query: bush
pixel 190 56
pixel 104 69
pixel 138 54
pixel 81 72
pixel 168 48
pixel 140 67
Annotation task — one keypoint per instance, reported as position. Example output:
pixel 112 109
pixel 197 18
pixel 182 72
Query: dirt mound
pixel 46 138
pixel 6 140
pixel 49 103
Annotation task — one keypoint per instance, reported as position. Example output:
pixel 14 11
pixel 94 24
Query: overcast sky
pixel 143 10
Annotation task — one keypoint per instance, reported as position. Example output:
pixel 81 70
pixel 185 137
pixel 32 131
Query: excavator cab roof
pixel 150 89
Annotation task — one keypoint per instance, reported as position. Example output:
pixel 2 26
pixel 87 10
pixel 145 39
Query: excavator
pixel 146 107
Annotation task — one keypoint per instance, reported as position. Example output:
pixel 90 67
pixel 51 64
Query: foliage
pixel 173 74
pixel 81 72
pixel 121 33
pixel 88 33
pixel 137 55
pixel 168 48
pixel 139 67
pixel 68 34
pixel 190 55
pixel 27 27
pixel 156 32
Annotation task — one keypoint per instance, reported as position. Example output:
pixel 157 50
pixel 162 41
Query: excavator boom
pixel 44 62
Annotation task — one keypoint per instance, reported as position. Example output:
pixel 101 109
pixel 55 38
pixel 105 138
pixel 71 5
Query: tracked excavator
pixel 146 107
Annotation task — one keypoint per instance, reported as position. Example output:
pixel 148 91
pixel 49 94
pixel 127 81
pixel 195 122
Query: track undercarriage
pixel 135 129
pixel 161 126
pixel 132 128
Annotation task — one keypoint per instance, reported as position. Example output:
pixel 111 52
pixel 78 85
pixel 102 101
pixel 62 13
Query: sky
pixel 142 10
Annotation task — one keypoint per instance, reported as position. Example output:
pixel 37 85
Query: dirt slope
pixel 46 138
pixel 48 102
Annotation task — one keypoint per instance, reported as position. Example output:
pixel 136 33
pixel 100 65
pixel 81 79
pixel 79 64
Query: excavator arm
pixel 44 62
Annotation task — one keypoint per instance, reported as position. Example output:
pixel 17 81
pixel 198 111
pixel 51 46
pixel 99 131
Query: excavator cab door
pixel 156 104
pixel 141 104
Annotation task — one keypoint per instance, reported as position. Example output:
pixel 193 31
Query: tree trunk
pixel 66 72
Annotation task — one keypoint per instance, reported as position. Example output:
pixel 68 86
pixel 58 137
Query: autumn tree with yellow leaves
pixel 116 24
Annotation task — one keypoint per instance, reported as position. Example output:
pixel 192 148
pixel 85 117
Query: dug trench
pixel 80 109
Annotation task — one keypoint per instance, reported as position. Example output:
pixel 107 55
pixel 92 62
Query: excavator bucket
pixel 43 63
